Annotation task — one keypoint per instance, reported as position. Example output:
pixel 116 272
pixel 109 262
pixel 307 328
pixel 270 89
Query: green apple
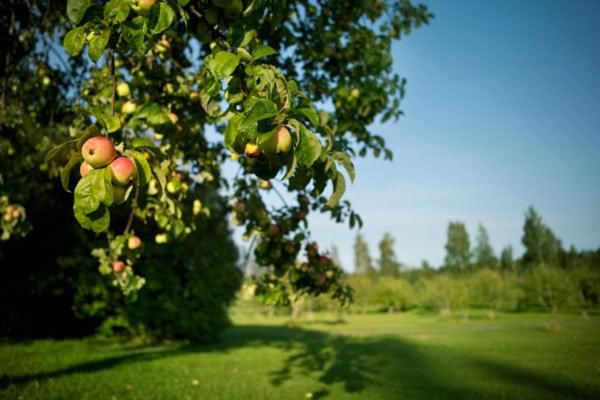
pixel 123 89
pixel 251 150
pixel 279 142
pixel 119 193
pixel 142 6
pixel 128 107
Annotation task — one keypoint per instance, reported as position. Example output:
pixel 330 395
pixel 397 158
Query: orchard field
pixel 410 355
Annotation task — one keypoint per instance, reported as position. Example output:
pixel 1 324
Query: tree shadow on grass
pixel 384 367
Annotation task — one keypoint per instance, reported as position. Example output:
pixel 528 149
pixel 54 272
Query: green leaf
pixel 262 109
pixel 56 149
pixel 117 10
pixel 133 34
pixel 183 3
pixel 154 114
pixel 97 221
pixel 345 161
pixel 165 18
pixel 76 9
pixel 65 174
pixel 85 200
pixel 309 148
pixel 232 129
pixel 144 172
pixel 105 182
pixel 110 122
pixel 339 187
pixel 74 41
pixel 223 64
pixel 311 115
pixel 160 175
pixel 141 142
pixel 262 51
pixel 98 44
pixel 291 167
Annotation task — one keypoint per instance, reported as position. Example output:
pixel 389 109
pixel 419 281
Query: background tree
pixel 507 262
pixel 541 246
pixel 483 253
pixel 388 263
pixel 335 256
pixel 458 253
pixel 363 263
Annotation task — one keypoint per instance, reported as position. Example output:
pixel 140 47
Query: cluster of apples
pixel 11 213
pixel 319 269
pixel 99 152
pixel 133 243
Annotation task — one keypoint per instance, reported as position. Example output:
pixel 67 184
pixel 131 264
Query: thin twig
pixel 280 196
pixel 133 208
pixel 114 80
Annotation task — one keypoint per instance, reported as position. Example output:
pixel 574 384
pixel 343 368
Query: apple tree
pixel 171 102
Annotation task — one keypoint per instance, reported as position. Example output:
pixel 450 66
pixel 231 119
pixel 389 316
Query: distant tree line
pixel 547 276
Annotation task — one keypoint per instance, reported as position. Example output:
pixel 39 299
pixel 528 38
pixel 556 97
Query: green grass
pixel 401 356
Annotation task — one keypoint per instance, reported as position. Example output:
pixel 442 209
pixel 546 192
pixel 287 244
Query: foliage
pixel 551 288
pixel 363 263
pixel 458 253
pixel 507 262
pixel 244 69
pixel 483 253
pixel 541 246
pixel 388 263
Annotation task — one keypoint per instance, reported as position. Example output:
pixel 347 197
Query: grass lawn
pixel 398 356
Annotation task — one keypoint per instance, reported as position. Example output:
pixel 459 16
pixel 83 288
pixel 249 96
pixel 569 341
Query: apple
pixel 252 150
pixel 197 207
pixel 118 266
pixel 84 169
pixel 142 6
pixel 128 107
pixel 274 229
pixel 163 46
pixel 265 185
pixel 161 238
pixel 279 142
pixel 320 281
pixel 134 242
pixel 123 89
pixel 325 260
pixel 123 170
pixel 173 117
pixel 119 193
pixel 98 151
pixel 240 206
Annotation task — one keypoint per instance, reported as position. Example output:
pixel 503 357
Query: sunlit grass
pixel 397 356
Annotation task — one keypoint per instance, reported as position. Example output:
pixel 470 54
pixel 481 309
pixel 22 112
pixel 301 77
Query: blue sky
pixel 502 112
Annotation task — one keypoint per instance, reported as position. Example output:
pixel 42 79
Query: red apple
pixel 134 242
pixel 98 151
pixel 84 169
pixel 123 171
pixel 118 266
